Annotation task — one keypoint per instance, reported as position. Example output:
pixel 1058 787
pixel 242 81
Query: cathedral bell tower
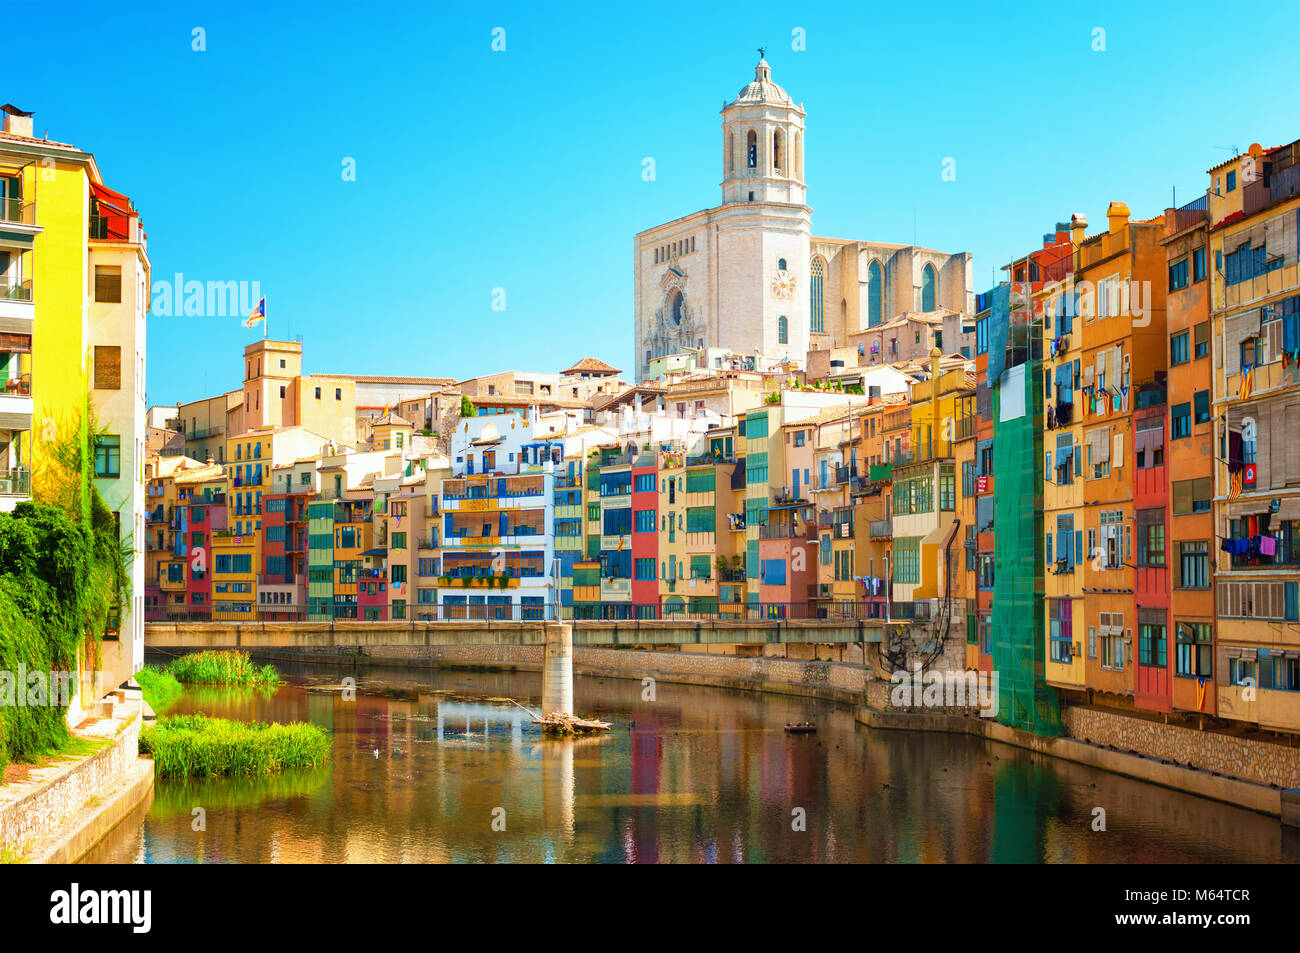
pixel 762 144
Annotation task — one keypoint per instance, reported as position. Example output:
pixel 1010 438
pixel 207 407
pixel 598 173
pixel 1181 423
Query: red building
pixel 645 540
pixel 282 577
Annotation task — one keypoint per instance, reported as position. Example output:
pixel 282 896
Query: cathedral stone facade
pixel 748 276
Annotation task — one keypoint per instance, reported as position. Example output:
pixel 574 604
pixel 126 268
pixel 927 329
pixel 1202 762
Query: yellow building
pixel 74 294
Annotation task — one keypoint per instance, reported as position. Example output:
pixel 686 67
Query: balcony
pixel 16 485
pixel 780 531
pixel 15 289
pixel 204 433
pixel 14 211
pixel 16 403
pixel 881 529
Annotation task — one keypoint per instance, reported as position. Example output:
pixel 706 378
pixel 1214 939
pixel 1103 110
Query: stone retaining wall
pixel 38 814
pixel 1245 758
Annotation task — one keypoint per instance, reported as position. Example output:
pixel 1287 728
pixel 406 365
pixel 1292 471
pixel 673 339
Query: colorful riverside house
pixel 74 294
pixel 612 541
pixel 873 509
pixel 926 545
pixel 705 525
pixel 729 502
pixel 409 522
pixel 568 529
pixel 754 427
pixel 354 557
pixel 1153 658
pixel 1124 353
pixel 1189 460
pixel 498 513
pixel 207 503
pixel 320 558
pixel 828 437
pixel 979 650
pixel 1063 462
pixel 644 539
pixel 1255 277
pixel 282 578
pixel 234 575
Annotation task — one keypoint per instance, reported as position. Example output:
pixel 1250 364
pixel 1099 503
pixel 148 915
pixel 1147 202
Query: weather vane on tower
pixel 762 52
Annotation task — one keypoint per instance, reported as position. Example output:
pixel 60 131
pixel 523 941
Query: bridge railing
pixel 828 610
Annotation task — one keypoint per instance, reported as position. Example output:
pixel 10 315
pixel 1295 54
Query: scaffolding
pixel 1025 700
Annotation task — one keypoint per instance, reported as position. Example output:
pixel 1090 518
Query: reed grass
pixel 159 686
pixel 185 746
pixel 222 668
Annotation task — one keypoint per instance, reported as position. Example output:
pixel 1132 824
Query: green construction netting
pixel 1025 700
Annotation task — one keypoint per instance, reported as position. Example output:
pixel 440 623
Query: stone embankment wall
pixel 36 811
pixel 1246 758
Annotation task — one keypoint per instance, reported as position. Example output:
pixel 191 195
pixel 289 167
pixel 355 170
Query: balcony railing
pixel 16 483
pixel 15 289
pixel 881 529
pixel 17 387
pixel 14 209
pixel 781 531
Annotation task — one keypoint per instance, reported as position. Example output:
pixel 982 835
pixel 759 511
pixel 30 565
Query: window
pixel 318 393
pixel 108 283
pixel 1201 406
pixel 108 367
pixel 645 521
pixel 1232 180
pixel 1198 264
pixel 929 288
pixel 782 330
pixel 282 392
pixel 645 569
pixel 780 264
pixel 338 393
pixel 1178 275
pixel 645 482
pixel 1201 340
pixel 817 302
pixel 108 456
pixel 751 150
pixel 1151 644
pixel 1191 496
pixel 1151 538
pixel 947 488
pixel 1181 422
pixel 1194 565
pixel 875 294
pixel 1178 352
pixel 1194 653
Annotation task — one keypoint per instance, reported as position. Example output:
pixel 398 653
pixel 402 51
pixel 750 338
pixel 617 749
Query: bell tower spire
pixel 762 143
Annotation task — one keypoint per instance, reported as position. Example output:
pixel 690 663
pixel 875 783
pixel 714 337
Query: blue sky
pixel 521 169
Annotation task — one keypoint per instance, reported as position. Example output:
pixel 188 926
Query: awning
pixel 375 552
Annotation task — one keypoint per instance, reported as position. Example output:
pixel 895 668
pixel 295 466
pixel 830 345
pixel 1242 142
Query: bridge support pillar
pixel 557 669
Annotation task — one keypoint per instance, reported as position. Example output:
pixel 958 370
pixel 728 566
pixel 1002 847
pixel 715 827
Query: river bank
pixel 59 812
pixel 1239 771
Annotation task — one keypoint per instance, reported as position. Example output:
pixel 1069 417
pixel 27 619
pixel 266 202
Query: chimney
pixel 17 122
pixel 1116 216
pixel 1078 227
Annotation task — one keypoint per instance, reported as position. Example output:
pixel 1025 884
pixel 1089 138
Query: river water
pixel 435 766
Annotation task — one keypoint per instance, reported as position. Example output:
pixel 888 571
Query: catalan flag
pixel 1234 490
pixel 1247 382
pixel 259 314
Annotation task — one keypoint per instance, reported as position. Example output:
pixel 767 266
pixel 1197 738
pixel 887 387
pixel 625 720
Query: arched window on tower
pixel 782 330
pixel 777 153
pixel 817 302
pixel 929 288
pixel 875 294
pixel 751 149
pixel 780 264
pixel 798 155
pixel 731 152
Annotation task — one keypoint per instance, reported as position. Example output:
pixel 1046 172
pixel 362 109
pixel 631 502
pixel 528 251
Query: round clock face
pixel 783 284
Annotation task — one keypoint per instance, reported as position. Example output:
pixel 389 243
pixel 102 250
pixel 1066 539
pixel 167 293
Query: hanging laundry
pixel 1267 545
